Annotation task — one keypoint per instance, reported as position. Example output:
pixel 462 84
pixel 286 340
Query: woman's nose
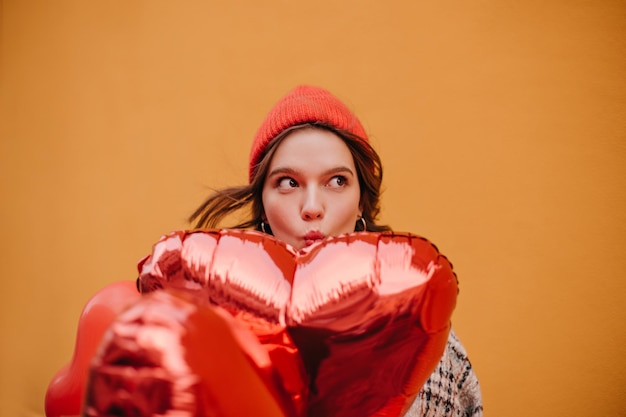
pixel 312 207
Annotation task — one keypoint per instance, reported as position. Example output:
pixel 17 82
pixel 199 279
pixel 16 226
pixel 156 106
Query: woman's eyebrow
pixel 339 170
pixel 282 170
pixel 291 171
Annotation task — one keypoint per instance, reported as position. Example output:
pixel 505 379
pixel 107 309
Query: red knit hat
pixel 304 104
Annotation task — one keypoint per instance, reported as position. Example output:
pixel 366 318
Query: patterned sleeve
pixel 452 389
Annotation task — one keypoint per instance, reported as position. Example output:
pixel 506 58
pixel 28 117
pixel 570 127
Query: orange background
pixel 500 124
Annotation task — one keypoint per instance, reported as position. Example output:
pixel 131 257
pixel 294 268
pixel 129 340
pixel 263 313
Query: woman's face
pixel 312 189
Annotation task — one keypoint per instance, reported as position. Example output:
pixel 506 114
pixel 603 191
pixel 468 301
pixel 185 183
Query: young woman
pixel 222 342
pixel 313 174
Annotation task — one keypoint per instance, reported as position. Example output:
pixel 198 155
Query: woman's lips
pixel 312 237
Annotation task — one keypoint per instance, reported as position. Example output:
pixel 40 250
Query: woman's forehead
pixel 311 147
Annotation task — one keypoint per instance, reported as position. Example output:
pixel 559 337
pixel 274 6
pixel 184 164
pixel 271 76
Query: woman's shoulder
pixel 452 389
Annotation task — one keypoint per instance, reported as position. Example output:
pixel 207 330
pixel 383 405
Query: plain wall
pixel 500 124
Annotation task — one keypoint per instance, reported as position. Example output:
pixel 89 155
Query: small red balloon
pixel 172 354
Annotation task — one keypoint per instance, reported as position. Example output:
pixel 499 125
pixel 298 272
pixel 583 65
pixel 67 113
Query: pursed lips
pixel 312 237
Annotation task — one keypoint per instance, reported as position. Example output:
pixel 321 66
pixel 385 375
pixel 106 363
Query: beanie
pixel 303 104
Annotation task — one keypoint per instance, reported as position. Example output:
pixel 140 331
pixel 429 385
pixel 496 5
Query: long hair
pixel 226 201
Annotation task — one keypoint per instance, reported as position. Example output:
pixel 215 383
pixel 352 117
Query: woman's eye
pixel 287 183
pixel 338 181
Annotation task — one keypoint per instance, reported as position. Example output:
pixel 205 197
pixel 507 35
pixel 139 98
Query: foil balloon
pixel 64 396
pixel 171 354
pixel 369 313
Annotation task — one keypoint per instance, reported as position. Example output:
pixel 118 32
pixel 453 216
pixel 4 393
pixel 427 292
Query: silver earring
pixel 362 220
pixel 265 228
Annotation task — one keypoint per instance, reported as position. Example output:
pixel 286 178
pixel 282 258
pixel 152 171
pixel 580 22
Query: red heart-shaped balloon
pixel 172 354
pixel 368 312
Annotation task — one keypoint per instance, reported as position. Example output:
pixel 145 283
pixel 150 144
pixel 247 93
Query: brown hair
pixel 249 197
